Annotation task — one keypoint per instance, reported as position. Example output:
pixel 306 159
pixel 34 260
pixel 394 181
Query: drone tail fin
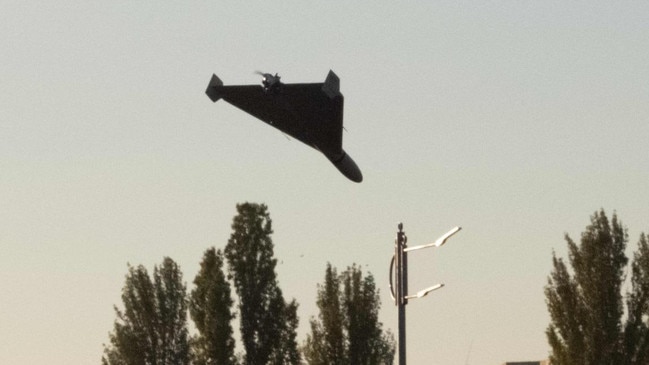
pixel 331 86
pixel 213 89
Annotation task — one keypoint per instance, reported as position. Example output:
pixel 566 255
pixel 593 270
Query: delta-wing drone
pixel 311 113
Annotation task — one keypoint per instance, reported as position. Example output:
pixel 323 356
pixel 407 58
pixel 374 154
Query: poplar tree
pixel 267 322
pixel 636 330
pixel 347 330
pixel 152 328
pixel 210 307
pixel 586 305
pixel 326 343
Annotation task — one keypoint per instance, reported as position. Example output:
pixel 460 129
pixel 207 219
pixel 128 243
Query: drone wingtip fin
pixel 213 88
pixel 331 85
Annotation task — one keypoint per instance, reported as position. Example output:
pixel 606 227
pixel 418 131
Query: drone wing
pixel 311 113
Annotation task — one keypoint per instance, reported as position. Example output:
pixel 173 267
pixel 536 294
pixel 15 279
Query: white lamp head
pixel 424 292
pixel 440 241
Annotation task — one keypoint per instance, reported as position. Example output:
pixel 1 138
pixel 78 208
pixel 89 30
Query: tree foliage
pixel 210 307
pixel 586 306
pixel 326 343
pixel 268 323
pixel 636 330
pixel 152 329
pixel 347 330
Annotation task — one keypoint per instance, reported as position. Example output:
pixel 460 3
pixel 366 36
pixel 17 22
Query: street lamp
pixel 399 292
pixel 424 292
pixel 438 242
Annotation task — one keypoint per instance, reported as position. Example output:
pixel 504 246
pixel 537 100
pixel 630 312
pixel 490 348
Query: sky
pixel 514 120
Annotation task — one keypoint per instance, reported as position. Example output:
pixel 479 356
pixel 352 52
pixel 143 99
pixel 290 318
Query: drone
pixel 311 112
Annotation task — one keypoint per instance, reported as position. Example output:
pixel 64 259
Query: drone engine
pixel 270 82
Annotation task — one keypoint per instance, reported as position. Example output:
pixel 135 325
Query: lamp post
pixel 399 290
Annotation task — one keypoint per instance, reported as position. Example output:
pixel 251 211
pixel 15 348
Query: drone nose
pixel 348 167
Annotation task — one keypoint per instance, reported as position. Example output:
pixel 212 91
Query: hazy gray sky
pixel 516 120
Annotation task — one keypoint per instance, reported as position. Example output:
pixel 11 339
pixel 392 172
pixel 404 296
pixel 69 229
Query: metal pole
pixel 402 289
pixel 399 280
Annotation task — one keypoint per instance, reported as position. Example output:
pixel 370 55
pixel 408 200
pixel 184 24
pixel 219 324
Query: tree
pixel 326 343
pixel 586 307
pixel 268 323
pixel 152 329
pixel 347 330
pixel 636 331
pixel 210 308
pixel 287 352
